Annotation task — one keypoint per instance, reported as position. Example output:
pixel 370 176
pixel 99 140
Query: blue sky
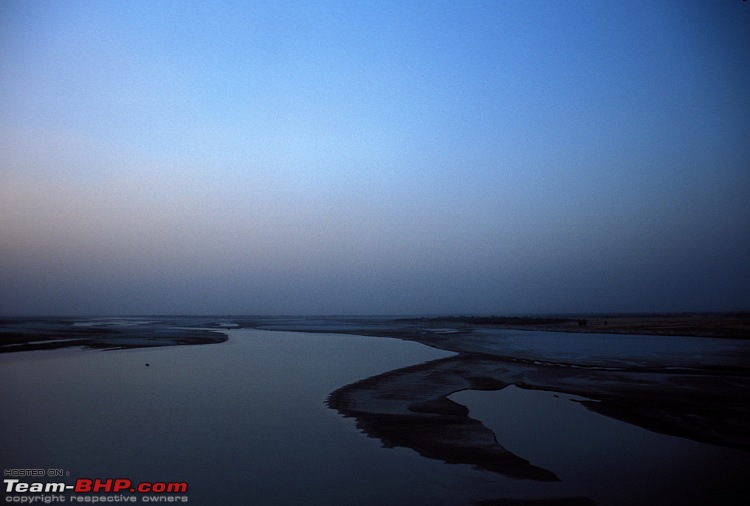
pixel 374 157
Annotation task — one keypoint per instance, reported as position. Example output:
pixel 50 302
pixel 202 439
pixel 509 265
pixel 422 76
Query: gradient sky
pixel 374 156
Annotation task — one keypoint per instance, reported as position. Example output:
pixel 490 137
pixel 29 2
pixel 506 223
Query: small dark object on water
pixel 147 364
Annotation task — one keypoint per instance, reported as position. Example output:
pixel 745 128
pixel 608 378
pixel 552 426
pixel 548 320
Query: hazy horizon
pixel 396 157
pixel 353 316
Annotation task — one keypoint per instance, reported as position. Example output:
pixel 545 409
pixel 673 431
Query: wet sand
pixel 410 407
pixel 35 333
pixel 690 394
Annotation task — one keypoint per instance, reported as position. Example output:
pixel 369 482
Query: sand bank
pixel 30 334
pixel 690 388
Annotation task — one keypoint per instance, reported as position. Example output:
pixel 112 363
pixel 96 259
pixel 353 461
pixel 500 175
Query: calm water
pixel 245 422
pixel 607 460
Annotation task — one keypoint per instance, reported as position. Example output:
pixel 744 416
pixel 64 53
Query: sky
pixel 374 157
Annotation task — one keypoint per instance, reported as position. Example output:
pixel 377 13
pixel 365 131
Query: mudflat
pixel 646 370
pixel 727 325
pixel 38 333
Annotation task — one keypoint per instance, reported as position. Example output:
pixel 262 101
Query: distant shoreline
pixel 734 325
pixel 44 333
pixel 35 334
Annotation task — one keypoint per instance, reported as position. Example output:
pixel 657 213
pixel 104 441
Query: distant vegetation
pixel 506 320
